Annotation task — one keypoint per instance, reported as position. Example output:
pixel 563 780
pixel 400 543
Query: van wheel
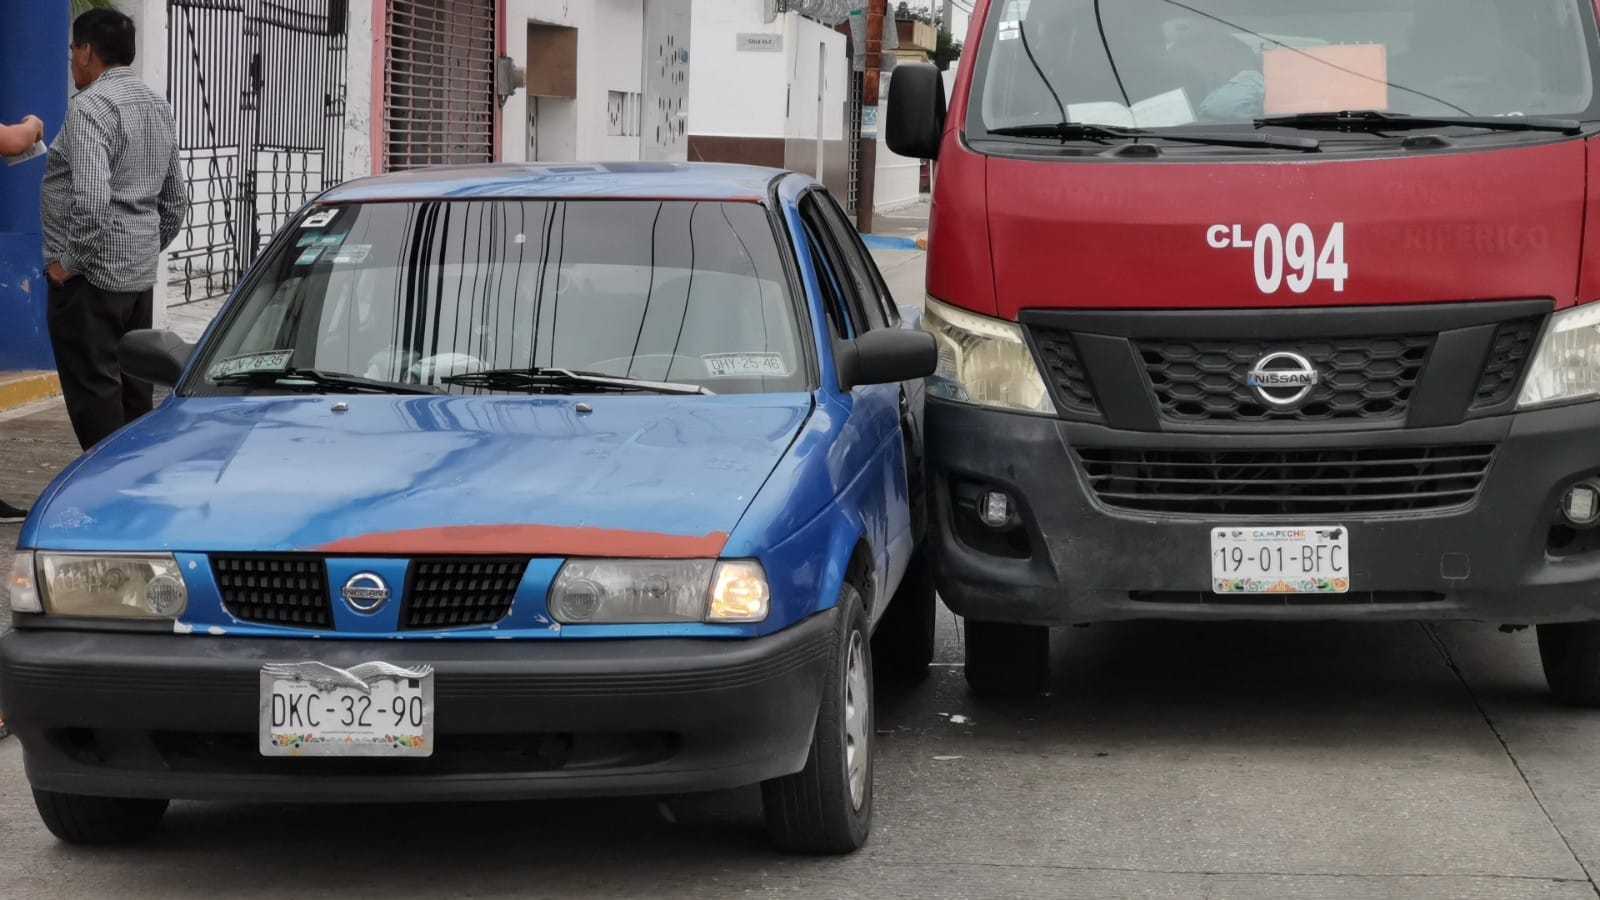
pixel 903 645
pixel 827 806
pixel 1007 660
pixel 1570 653
pixel 77 819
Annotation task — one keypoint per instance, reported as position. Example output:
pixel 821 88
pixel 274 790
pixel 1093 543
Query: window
pixel 841 319
pixel 875 300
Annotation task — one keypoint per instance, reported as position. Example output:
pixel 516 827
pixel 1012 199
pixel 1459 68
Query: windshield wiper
pixel 543 380
pixel 1374 121
pixel 1079 131
pixel 302 379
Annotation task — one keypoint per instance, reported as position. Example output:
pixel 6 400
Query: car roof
pixel 604 181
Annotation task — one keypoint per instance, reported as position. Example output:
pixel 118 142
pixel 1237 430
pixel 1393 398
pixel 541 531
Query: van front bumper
pixel 176 716
pixel 1069 558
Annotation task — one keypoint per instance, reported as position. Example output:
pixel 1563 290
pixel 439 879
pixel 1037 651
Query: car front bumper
pixel 1073 560
pixel 175 716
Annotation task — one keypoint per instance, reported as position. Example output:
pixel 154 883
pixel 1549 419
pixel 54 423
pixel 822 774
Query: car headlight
pixel 110 586
pixel 984 361
pixel 628 591
pixel 1567 365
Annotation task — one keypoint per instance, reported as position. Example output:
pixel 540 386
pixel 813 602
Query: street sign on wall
pixel 760 42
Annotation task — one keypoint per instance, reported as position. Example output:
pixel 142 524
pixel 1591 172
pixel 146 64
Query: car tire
pixel 903 645
pixel 1570 654
pixel 827 806
pixel 1007 660
pixel 77 819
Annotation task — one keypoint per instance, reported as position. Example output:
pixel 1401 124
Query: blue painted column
pixel 33 81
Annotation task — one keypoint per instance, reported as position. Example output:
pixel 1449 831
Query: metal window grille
pixel 439 84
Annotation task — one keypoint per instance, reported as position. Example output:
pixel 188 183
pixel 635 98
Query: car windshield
pixel 1166 63
pixel 425 293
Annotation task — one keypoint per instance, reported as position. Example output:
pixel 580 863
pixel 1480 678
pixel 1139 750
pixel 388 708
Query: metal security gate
pixel 858 83
pixel 257 88
pixel 439 83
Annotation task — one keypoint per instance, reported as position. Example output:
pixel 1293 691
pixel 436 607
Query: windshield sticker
pixel 330 240
pixel 268 361
pixel 350 254
pixel 733 365
pixel 1326 79
pixel 308 256
pixel 306 240
pixel 320 219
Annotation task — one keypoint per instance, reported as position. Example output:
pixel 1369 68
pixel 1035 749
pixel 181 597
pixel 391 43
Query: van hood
pixel 1428 227
pixel 637 476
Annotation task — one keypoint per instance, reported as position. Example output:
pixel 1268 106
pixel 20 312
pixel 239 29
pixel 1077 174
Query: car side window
pixel 875 300
pixel 840 322
pixel 859 302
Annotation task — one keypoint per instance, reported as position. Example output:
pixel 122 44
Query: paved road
pixel 1167 761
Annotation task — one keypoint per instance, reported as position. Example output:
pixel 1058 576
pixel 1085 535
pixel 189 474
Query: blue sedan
pixel 496 482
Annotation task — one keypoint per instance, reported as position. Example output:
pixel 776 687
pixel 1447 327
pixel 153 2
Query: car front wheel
pixel 1570 653
pixel 77 819
pixel 827 806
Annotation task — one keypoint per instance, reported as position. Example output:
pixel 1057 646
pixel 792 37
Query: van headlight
pixel 984 361
pixel 1567 364
pixel 645 591
pixel 108 586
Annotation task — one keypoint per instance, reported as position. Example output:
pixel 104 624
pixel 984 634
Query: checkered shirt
pixel 114 195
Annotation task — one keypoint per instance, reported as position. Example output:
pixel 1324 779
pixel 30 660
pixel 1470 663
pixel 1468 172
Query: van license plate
pixel 374 709
pixel 1311 559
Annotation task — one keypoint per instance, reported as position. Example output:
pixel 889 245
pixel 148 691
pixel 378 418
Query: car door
pixel 880 306
pixel 876 411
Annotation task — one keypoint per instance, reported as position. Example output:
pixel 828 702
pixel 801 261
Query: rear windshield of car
pixel 688 292
pixel 1164 63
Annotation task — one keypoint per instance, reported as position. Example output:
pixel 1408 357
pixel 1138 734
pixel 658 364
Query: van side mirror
pixel 915 125
pixel 885 357
pixel 158 357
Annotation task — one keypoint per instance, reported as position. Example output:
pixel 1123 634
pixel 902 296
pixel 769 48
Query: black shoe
pixel 9 513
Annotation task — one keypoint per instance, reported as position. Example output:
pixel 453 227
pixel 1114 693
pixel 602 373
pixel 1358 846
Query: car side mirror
pixel 914 124
pixel 885 357
pixel 158 357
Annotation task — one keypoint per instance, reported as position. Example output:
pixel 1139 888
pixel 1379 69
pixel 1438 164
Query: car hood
pixel 636 476
pixel 1422 228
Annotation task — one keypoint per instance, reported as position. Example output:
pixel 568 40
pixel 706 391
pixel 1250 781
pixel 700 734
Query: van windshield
pixel 1170 63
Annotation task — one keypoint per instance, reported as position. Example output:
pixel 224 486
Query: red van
pixel 1264 309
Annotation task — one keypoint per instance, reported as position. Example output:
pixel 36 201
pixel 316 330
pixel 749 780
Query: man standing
pixel 113 199
pixel 16 140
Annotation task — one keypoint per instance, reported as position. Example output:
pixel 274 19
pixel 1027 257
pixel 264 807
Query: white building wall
pixel 610 43
pixel 150 61
pixel 366 48
pixel 737 92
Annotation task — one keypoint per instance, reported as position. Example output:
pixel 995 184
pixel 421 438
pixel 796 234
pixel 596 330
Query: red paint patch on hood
pixel 531 540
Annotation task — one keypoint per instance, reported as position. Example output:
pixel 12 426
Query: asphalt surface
pixel 1168 760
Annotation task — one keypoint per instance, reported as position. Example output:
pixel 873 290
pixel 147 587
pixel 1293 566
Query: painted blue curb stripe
pixel 883 242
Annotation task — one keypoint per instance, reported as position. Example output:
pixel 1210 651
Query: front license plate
pixel 1311 559
pixel 374 709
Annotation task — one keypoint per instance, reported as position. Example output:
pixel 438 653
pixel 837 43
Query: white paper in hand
pixel 37 150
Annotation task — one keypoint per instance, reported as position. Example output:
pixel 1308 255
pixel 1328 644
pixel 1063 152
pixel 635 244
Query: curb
pixel 21 388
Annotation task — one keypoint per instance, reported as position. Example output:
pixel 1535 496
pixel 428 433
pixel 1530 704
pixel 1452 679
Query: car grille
pixel 454 593
pixel 287 591
pixel 1513 342
pixel 1314 483
pixel 1366 378
pixel 1064 370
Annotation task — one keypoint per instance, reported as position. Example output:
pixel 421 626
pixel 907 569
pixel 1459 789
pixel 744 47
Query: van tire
pixel 903 645
pixel 1570 654
pixel 814 811
pixel 77 819
pixel 1007 660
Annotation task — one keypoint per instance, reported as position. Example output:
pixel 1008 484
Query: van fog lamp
pixel 994 509
pixel 1581 505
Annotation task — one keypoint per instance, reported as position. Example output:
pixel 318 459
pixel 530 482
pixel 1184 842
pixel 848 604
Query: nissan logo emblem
pixel 366 593
pixel 1283 379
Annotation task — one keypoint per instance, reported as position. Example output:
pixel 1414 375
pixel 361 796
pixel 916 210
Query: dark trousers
pixel 86 324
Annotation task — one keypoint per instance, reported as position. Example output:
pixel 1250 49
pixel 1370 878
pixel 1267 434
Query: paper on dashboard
pixel 1161 111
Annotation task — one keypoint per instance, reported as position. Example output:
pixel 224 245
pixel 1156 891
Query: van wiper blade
pixel 544 380
pixel 1373 120
pixel 1080 131
pixel 317 379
